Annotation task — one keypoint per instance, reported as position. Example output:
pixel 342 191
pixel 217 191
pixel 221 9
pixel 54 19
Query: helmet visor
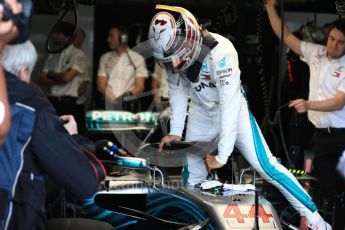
pixel 179 64
pixel 186 55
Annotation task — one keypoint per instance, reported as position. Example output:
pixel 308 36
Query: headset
pixel 123 37
pixel 123 40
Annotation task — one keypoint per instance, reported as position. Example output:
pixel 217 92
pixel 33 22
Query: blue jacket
pixel 51 152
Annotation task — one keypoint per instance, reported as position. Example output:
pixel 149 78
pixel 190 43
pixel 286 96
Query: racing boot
pixel 316 222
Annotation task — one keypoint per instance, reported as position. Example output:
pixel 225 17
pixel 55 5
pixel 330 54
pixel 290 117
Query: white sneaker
pixel 316 222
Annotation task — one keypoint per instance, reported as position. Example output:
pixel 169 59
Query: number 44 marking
pixel 233 211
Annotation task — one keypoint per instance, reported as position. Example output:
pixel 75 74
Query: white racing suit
pixel 219 110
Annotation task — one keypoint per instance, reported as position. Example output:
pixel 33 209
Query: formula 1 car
pixel 136 195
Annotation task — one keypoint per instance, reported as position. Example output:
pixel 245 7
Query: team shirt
pixel 120 72
pixel 69 58
pixel 326 78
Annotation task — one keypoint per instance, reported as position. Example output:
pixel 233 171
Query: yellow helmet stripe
pixel 177 9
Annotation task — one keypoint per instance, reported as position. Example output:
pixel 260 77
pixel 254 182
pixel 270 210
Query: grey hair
pixel 15 57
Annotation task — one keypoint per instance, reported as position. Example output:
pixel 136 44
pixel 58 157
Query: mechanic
pixel 204 66
pixel 121 72
pixel 55 152
pixel 63 73
pixel 325 106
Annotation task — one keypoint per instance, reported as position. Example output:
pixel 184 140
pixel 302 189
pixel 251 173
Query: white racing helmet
pixel 175 37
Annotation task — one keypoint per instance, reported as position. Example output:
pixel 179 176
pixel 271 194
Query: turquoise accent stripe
pixel 158 200
pixel 126 224
pixel 103 214
pixel 88 201
pixel 271 171
pixel 166 201
pixel 186 208
pixel 185 172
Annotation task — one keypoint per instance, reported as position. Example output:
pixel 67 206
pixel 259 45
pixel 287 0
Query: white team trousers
pixel 204 125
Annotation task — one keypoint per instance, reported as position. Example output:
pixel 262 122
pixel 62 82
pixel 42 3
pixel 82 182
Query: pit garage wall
pixel 42 25
pixel 296 19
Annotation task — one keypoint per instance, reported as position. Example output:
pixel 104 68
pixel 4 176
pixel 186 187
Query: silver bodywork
pixel 235 212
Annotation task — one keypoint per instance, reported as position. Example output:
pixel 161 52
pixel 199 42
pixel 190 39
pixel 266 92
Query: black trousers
pixel 133 106
pixel 328 145
pixel 67 105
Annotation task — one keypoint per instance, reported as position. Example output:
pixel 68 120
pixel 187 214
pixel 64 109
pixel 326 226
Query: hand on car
pixel 167 139
pixel 212 163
